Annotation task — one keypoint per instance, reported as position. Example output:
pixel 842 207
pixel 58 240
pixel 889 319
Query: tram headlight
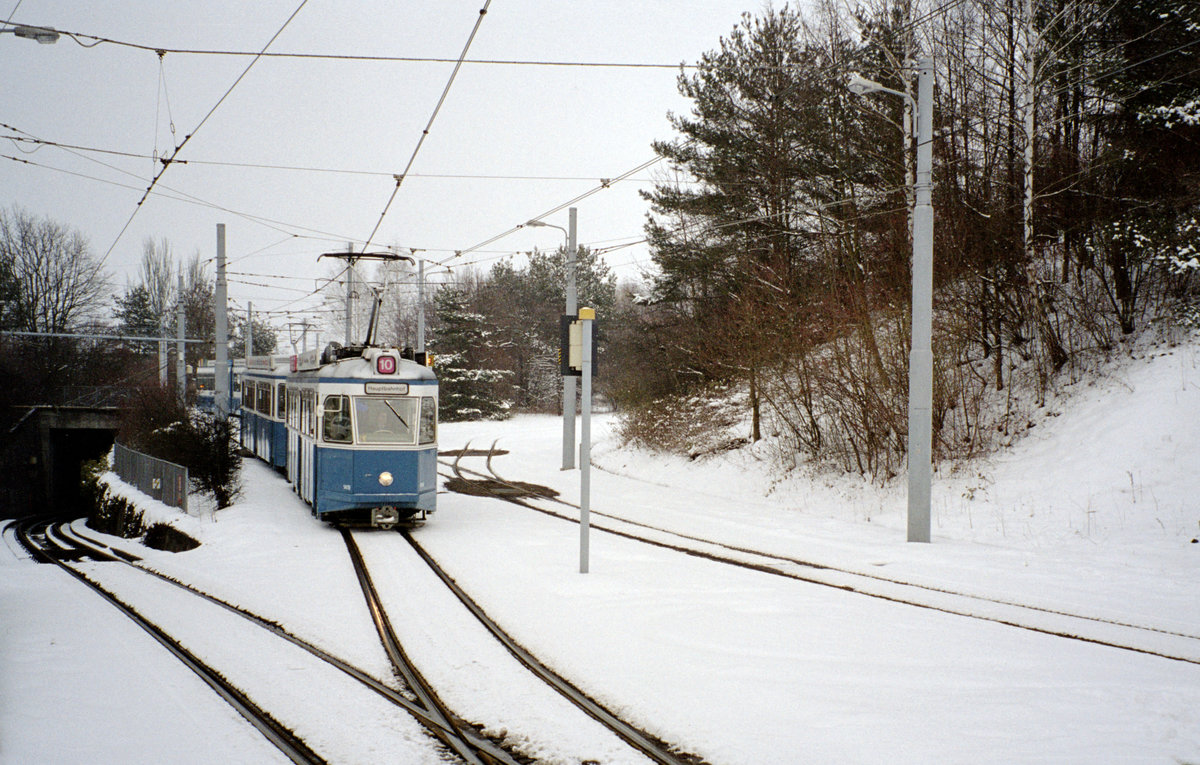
pixel 385 478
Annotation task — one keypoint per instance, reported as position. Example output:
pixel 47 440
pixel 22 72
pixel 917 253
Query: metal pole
pixel 586 316
pixel 249 333
pixel 920 363
pixel 349 297
pixel 421 305
pixel 568 447
pixel 162 351
pixel 180 355
pixel 221 392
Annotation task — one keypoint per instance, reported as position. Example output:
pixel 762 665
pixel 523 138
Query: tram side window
pixel 336 418
pixel 281 402
pixel 428 420
pixel 263 404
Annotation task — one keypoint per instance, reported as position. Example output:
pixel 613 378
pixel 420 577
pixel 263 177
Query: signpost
pixel 577 358
pixel 587 322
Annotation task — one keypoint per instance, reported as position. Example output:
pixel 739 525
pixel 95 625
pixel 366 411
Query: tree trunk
pixel 755 410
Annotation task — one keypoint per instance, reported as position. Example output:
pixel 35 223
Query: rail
pixel 162 480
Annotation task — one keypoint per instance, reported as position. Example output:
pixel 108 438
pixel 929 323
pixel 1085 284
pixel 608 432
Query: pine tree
pixel 136 318
pixel 265 339
pixel 751 253
pixel 524 305
pixel 468 388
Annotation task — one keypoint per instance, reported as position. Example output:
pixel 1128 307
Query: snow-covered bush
pixel 156 424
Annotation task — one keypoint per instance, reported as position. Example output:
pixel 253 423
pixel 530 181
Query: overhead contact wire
pixel 425 133
pixel 166 162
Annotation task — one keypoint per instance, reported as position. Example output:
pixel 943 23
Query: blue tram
pixel 263 431
pixel 361 428
pixel 206 386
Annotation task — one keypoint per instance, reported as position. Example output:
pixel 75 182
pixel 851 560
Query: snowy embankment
pixel 1093 511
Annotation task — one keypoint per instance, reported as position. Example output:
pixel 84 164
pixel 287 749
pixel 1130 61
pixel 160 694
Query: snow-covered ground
pixel 1094 511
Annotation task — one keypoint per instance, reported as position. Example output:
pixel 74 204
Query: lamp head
pixel 859 85
pixel 44 35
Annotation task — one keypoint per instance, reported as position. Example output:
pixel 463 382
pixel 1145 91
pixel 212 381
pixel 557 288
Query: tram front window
pixel 385 420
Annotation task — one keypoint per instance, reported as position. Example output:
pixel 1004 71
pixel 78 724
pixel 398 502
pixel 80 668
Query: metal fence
pixel 165 481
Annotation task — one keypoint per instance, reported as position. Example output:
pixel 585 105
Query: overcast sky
pixel 510 142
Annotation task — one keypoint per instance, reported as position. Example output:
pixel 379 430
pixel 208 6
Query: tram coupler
pixel 385 517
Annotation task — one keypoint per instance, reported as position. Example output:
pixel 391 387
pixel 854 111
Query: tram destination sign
pixel 387 388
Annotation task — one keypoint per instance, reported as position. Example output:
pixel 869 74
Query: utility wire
pixel 39 142
pixel 157 49
pixel 386 59
pixel 425 133
pixel 605 183
pixel 179 196
pixel 166 162
pixel 13 12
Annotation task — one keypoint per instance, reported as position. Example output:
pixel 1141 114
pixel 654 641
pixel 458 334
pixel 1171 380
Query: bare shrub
pixel 700 422
pixel 844 402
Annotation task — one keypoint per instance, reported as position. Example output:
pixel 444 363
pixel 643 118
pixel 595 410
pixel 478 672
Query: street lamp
pixel 920 360
pixel 543 224
pixel 568 447
pixel 44 35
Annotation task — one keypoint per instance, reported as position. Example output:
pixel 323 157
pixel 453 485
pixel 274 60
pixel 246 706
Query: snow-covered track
pixel 36 535
pixel 656 750
pixel 435 723
pixel 457 735
pixel 1100 630
pixel 54 547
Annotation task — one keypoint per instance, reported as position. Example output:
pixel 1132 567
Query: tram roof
pixel 359 368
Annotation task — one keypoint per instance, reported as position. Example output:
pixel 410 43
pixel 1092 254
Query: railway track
pixel 654 749
pixel 60 544
pixel 47 546
pixel 455 734
pixel 421 700
pixel 1114 633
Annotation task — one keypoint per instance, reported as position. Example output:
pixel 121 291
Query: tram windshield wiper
pixel 398 415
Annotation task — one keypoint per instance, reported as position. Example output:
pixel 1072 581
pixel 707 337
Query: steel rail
pixel 850 572
pixel 655 749
pixel 293 747
pixel 392 695
pixel 829 572
pixel 458 736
